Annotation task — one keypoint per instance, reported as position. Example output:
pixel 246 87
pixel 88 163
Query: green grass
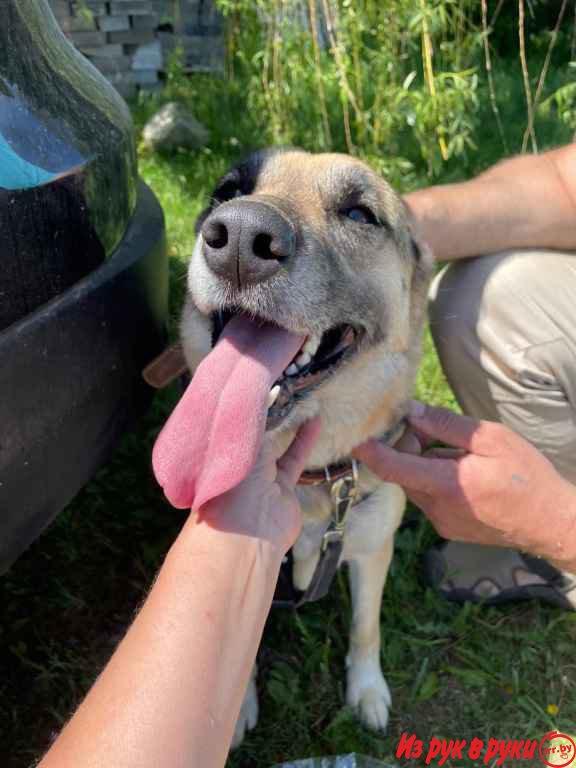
pixel 455 671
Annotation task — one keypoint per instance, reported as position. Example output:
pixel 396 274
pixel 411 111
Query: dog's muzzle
pixel 247 241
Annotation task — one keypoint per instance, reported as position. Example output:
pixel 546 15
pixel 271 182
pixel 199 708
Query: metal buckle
pixel 343 494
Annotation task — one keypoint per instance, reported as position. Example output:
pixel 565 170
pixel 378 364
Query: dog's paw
pixel 248 716
pixel 367 692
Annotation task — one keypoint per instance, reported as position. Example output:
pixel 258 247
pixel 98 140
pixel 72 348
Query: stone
pixel 173 127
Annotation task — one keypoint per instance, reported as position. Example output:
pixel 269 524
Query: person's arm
pixel 525 202
pixel 491 487
pixel 173 689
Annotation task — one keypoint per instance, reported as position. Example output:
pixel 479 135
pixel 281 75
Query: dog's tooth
pixel 311 345
pixel 303 359
pixel 273 394
pixel 292 370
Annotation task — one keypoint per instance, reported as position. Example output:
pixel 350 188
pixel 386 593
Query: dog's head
pixel 322 246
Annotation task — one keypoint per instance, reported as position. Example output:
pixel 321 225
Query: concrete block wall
pixel 130 41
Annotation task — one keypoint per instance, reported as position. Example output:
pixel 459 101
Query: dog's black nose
pixel 247 241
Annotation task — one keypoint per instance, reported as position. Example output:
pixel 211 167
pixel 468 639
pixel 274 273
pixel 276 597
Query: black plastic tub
pixel 83 273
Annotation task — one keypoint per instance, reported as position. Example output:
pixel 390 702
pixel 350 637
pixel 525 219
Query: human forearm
pixel 171 693
pixel 527 201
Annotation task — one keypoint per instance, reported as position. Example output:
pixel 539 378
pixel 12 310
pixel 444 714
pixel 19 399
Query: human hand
pixel 264 505
pixel 489 487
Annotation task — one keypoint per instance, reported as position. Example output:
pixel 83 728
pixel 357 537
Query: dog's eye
pixel 360 214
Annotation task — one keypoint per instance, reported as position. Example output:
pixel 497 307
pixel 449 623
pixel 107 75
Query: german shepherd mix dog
pixel 306 296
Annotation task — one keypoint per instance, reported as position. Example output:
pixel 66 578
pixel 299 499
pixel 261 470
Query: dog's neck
pixel 333 472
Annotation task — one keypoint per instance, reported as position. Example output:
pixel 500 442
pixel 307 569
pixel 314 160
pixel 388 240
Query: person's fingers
pixel 445 453
pixel 413 473
pixel 449 427
pixel 409 443
pixel 293 462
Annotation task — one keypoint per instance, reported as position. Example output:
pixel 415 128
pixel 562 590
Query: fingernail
pixel 417 409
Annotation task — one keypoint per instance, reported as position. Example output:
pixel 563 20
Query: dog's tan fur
pixel 365 397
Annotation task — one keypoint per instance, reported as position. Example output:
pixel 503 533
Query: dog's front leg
pixel 367 690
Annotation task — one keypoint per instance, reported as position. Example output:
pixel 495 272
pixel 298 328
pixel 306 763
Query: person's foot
pixel 471 572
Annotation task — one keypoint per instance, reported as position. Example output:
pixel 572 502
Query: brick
pixel 114 23
pixel 145 22
pixel 132 37
pixel 83 40
pixel 60 9
pixel 146 76
pixel 130 7
pixel 198 47
pixel 96 8
pixel 111 64
pixel 199 19
pixel 151 87
pixel 148 56
pixel 84 23
pixel 104 50
pixel 124 84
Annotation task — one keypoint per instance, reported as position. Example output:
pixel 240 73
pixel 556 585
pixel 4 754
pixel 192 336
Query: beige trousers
pixel 505 330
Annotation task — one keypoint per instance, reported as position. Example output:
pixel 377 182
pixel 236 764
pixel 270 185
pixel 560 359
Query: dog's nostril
pixel 262 246
pixel 215 234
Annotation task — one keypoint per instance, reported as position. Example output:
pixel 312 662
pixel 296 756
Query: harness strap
pixel 344 493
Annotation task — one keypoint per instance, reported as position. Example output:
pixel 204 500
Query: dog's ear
pixel 423 256
pixel 423 269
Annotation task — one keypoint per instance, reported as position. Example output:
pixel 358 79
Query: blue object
pixel 17 173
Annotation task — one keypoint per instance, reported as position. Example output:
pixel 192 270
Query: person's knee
pixel 504 327
pixel 514 300
pixel 480 310
pixel 455 300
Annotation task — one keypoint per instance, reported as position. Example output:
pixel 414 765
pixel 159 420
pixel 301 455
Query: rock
pixel 173 127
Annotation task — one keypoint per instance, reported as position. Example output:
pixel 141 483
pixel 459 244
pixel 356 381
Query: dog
pixel 320 245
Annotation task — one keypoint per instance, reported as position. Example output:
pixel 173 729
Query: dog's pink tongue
pixel 211 440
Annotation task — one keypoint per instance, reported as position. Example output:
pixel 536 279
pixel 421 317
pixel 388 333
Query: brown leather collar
pixel 328 475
